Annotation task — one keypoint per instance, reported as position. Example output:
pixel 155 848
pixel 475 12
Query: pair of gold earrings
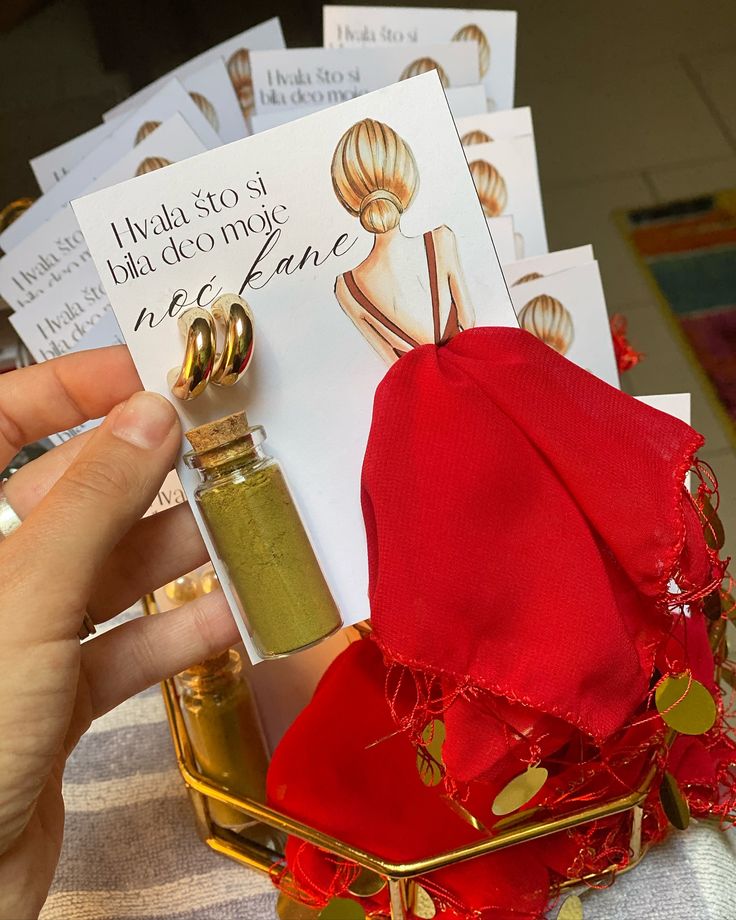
pixel 203 364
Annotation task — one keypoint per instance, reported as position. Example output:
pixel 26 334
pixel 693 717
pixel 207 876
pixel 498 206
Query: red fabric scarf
pixel 524 520
pixel 524 523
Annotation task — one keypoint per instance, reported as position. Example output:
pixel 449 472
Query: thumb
pixel 105 490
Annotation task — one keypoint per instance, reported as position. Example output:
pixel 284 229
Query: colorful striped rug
pixel 688 250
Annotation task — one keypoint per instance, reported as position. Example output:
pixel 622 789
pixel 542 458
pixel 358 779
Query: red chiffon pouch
pixel 524 522
pixel 342 767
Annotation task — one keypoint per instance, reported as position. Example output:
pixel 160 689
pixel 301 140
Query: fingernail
pixel 145 420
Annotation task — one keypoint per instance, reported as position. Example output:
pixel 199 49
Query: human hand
pixel 82 547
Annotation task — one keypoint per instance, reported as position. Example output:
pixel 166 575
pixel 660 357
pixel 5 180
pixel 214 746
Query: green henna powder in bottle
pixel 260 538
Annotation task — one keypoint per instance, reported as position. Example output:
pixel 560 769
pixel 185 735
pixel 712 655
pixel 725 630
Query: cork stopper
pixel 215 434
pixel 222 441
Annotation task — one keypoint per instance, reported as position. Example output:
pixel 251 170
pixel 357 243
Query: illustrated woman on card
pixel 408 291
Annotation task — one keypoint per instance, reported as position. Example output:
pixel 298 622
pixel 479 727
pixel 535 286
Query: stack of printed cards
pixel 347 260
pixel 559 298
pixel 376 190
pixel 47 276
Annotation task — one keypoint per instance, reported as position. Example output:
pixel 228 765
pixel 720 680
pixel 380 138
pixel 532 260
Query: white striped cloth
pixel 131 849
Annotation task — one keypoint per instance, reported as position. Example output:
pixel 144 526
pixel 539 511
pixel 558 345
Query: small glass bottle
pixel 226 737
pixel 256 529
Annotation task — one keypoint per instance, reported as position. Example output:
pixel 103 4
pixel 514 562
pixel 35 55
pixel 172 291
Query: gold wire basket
pixel 398 875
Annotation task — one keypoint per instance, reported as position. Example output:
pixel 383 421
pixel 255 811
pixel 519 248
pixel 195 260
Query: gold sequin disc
pixel 685 705
pixel 673 803
pixel 572 909
pixel 429 754
pixel 519 791
pixel 433 737
pixel 342 909
pixel 514 818
pixel 367 884
pixel 288 909
pixel 422 905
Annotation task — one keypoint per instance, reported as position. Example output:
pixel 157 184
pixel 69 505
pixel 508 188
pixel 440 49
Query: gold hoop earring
pixel 234 314
pixel 191 379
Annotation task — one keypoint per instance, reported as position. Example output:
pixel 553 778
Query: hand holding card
pixel 286 239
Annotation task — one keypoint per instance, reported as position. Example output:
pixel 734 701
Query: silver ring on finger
pixel 9 520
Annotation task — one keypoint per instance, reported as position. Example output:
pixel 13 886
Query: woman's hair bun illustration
pixel 475 137
pixel 148 127
pixel 207 109
pixel 473 33
pixel 549 320
pixel 238 66
pixel 374 174
pixel 150 164
pixel 525 279
pixel 491 187
pixel 425 65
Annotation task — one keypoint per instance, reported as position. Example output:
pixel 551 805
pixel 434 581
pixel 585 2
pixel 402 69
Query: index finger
pixel 61 393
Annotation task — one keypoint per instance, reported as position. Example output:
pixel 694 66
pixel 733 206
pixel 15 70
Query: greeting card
pixel 234 53
pixel 482 127
pixel 502 234
pixel 523 270
pixel 506 176
pixel 50 167
pixel 57 251
pixel 169 100
pixel 567 310
pixel 346 259
pixel 492 32
pixel 314 77
pixel 59 298
pixel 462 100
pixel 211 88
pixel 466 100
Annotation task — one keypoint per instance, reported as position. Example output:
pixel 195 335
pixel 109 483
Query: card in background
pixel 482 127
pixel 506 176
pixel 493 32
pixel 169 495
pixel 72 303
pixel 212 91
pixel 59 322
pixel 50 167
pixel 282 236
pixel 568 311
pixel 57 251
pixel 675 404
pixel 103 333
pixel 235 54
pixel 678 405
pixel 502 234
pixel 523 270
pixel 314 77
pixel 169 100
pixel 461 99
pixel 466 100
pixel 69 329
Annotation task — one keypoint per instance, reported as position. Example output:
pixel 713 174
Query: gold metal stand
pixel 398 875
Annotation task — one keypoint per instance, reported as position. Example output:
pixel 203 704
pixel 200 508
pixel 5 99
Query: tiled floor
pixel 633 103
